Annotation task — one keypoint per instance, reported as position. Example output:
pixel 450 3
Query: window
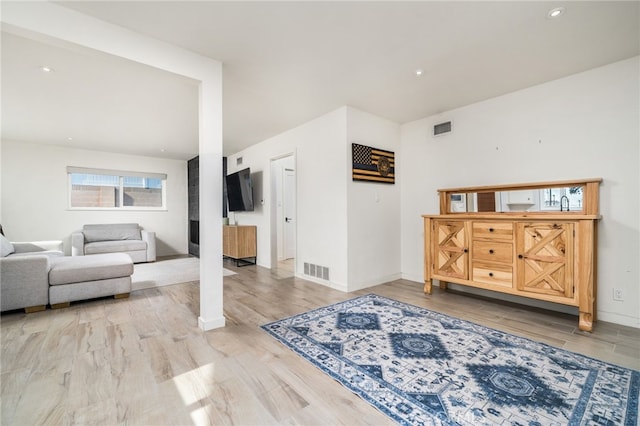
pixel 110 189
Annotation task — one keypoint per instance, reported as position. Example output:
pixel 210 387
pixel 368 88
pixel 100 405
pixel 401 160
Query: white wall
pixel 585 125
pixel 373 208
pixel 1 168
pixel 340 224
pixel 35 195
pixel 321 230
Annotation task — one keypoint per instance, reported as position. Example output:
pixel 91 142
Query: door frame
pixel 289 209
pixel 273 210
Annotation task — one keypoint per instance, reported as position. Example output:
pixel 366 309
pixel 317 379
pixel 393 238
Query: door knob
pixel 287 219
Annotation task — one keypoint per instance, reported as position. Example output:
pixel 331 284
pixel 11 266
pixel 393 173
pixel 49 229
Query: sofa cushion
pixel 38 246
pixel 88 290
pixel 48 253
pixel 111 232
pixel 66 270
pixel 114 246
pixel 6 248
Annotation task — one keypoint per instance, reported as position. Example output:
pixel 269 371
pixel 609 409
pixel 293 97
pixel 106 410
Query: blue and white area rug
pixel 420 367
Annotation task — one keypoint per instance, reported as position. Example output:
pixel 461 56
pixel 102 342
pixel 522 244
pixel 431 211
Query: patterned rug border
pixel 634 388
pixel 345 383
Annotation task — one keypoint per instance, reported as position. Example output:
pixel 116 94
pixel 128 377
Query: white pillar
pixel 210 169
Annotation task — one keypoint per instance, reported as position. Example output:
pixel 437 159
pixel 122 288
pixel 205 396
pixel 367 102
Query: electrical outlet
pixel 617 294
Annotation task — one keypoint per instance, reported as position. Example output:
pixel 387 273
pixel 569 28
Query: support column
pixel 211 284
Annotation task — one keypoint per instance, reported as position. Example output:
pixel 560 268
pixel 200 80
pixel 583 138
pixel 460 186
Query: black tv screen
pixel 240 191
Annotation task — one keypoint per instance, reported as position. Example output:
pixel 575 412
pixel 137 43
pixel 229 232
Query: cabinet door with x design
pixel 451 248
pixel 545 258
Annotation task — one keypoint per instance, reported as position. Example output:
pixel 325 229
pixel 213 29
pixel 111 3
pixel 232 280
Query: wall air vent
pixel 317 271
pixel 238 161
pixel 441 128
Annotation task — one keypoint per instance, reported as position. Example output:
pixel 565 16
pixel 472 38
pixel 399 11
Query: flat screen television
pixel 240 191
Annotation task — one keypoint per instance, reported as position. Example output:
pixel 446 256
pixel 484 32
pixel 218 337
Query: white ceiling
pixel 288 62
pixel 100 101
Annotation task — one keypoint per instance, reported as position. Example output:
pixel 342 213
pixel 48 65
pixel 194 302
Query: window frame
pixel 120 174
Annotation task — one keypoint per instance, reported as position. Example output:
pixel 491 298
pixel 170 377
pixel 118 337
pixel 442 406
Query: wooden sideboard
pixel 547 254
pixel 239 243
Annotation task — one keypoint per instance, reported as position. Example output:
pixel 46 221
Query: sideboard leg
pixel 586 321
pixel 444 285
pixel 427 286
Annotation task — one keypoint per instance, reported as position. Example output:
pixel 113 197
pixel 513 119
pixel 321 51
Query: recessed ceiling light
pixel 69 138
pixel 162 150
pixel 46 69
pixel 555 12
pixel 419 72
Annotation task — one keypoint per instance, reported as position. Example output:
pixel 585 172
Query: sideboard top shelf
pixel 575 196
pixel 514 217
pixel 529 185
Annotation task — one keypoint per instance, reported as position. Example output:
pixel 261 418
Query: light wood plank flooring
pixel 144 361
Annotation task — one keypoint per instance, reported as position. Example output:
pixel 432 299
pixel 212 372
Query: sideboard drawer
pixel 501 275
pixel 493 251
pixel 493 230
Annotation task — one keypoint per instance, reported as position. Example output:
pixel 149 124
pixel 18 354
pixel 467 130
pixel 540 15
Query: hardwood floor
pixel 144 361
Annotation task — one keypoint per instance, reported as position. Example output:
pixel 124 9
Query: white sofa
pixel 24 274
pixel 126 238
pixel 36 274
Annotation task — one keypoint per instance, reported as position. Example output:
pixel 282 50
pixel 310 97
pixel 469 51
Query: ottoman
pixel 87 277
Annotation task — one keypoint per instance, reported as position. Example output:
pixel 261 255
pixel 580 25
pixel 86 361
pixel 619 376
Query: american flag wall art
pixel 372 164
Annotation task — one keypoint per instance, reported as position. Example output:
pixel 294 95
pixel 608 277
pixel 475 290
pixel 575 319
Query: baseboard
pixel 351 287
pixel 373 283
pixel 625 320
pixel 211 324
pixel 331 284
pixel 612 317
pixel 512 298
pixel 414 278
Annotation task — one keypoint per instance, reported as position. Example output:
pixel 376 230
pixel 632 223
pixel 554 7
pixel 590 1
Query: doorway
pixel 283 177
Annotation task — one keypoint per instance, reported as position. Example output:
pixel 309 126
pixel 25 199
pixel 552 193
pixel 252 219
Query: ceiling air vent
pixel 441 128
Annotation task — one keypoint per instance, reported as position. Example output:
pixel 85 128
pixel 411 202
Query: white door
pixel 289 198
